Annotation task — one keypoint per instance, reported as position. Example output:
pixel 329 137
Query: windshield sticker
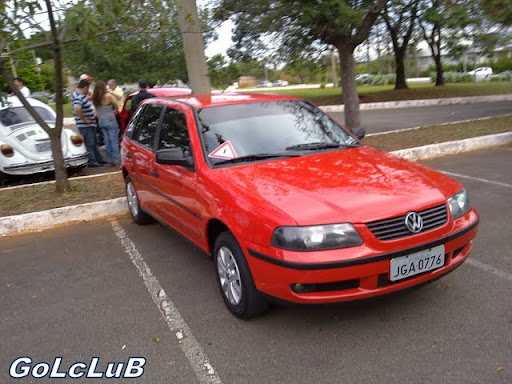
pixel 224 151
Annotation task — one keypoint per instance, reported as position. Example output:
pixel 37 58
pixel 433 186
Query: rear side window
pixel 146 125
pixel 174 132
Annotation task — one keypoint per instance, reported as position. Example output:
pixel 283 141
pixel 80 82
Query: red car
pixel 289 203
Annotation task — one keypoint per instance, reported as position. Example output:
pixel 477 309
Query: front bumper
pixel 356 278
pixel 30 168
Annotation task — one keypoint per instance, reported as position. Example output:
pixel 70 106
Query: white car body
pixel 30 143
pixel 481 73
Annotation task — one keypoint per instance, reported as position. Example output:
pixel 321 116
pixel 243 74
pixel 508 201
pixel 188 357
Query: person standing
pixel 106 104
pixel 18 81
pixel 83 112
pixel 142 95
pixel 117 92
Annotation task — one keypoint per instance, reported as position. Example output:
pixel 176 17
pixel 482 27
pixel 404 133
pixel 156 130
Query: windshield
pixel 18 115
pixel 252 131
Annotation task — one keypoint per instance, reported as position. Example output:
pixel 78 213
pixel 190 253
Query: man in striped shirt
pixel 83 112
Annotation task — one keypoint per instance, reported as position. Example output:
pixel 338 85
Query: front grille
pixel 390 229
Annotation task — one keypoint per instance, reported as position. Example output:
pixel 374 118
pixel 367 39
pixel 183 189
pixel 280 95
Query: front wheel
pixel 138 215
pixel 235 279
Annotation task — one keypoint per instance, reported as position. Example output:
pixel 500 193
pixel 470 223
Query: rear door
pixel 140 152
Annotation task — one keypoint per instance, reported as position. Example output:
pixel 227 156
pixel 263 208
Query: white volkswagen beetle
pixel 25 147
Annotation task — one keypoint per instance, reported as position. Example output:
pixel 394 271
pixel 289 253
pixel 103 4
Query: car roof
pixel 166 92
pixel 217 99
pixel 14 102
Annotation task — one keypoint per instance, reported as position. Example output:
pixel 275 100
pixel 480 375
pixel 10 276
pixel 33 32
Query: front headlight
pixel 459 204
pixel 318 237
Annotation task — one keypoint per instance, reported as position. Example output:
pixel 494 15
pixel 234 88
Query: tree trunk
pixel 439 71
pixel 193 46
pixel 400 82
pixel 348 84
pixel 61 176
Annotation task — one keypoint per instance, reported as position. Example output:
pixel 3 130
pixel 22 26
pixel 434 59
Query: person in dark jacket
pixel 142 95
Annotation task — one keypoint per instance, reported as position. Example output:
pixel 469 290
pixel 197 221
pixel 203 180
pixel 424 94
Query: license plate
pixel 416 263
pixel 43 147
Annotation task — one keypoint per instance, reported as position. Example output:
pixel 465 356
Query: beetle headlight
pixel 318 237
pixel 459 204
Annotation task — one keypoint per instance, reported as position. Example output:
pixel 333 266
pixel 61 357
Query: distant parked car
pixel 280 83
pixel 362 78
pixel 25 147
pixel 264 84
pixel 481 73
pixel 41 96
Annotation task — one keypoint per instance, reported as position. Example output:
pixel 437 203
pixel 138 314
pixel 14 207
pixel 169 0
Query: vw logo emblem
pixel 413 222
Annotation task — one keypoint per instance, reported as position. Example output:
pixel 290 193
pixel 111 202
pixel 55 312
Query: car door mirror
pixel 174 156
pixel 358 132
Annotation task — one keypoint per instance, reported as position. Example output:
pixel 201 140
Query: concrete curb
pixel 421 103
pixel 453 147
pixel 39 221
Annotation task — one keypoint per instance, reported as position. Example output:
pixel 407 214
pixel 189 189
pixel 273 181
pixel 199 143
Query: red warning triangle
pixel 224 151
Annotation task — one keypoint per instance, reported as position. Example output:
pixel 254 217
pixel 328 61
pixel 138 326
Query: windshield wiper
pixel 255 157
pixel 315 146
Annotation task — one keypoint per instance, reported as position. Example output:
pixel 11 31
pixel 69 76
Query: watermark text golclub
pixel 24 366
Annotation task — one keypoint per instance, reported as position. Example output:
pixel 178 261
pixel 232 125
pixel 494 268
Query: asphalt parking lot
pixel 115 290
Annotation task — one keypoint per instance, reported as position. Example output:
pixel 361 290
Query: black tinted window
pixel 18 115
pixel 174 132
pixel 146 125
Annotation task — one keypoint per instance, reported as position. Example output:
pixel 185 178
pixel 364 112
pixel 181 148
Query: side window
pixel 146 125
pixel 174 132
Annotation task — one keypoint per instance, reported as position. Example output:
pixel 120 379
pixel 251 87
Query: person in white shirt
pixel 18 81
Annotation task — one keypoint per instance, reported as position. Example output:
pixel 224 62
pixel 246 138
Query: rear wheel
pixel 235 279
pixel 138 215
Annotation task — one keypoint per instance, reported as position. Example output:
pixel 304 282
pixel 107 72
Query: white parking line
pixel 488 268
pixel 478 179
pixel 188 343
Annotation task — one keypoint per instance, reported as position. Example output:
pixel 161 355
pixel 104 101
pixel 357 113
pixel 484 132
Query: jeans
pixel 110 130
pixel 91 144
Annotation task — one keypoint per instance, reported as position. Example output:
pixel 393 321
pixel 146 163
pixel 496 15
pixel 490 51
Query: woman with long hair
pixel 106 105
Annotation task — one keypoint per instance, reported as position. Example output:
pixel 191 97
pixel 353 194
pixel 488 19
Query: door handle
pixel 154 173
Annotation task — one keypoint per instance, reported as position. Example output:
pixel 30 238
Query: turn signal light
pixel 7 150
pixel 77 140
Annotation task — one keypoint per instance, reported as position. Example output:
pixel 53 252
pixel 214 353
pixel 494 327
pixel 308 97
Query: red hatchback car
pixel 289 203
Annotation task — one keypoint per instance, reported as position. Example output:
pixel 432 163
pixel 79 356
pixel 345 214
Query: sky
pixel 223 42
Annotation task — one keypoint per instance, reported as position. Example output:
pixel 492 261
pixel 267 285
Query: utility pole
pixel 193 45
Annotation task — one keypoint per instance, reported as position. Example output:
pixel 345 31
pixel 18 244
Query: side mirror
pixel 174 156
pixel 358 132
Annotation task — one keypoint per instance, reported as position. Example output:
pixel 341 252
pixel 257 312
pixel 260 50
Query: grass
pixel 440 133
pixel 38 197
pixel 381 93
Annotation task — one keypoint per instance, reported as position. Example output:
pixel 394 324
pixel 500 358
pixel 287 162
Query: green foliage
pixel 454 77
pixel 141 41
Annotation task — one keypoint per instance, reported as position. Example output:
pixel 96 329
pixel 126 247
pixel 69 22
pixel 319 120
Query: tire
pixel 138 214
pixel 235 280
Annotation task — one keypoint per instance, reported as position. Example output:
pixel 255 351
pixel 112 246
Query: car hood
pixel 357 185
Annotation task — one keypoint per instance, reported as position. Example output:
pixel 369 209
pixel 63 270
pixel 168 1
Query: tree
pixel 498 11
pixel 400 18
pixel 305 26
pixel 144 40
pixel 15 15
pixel 437 17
